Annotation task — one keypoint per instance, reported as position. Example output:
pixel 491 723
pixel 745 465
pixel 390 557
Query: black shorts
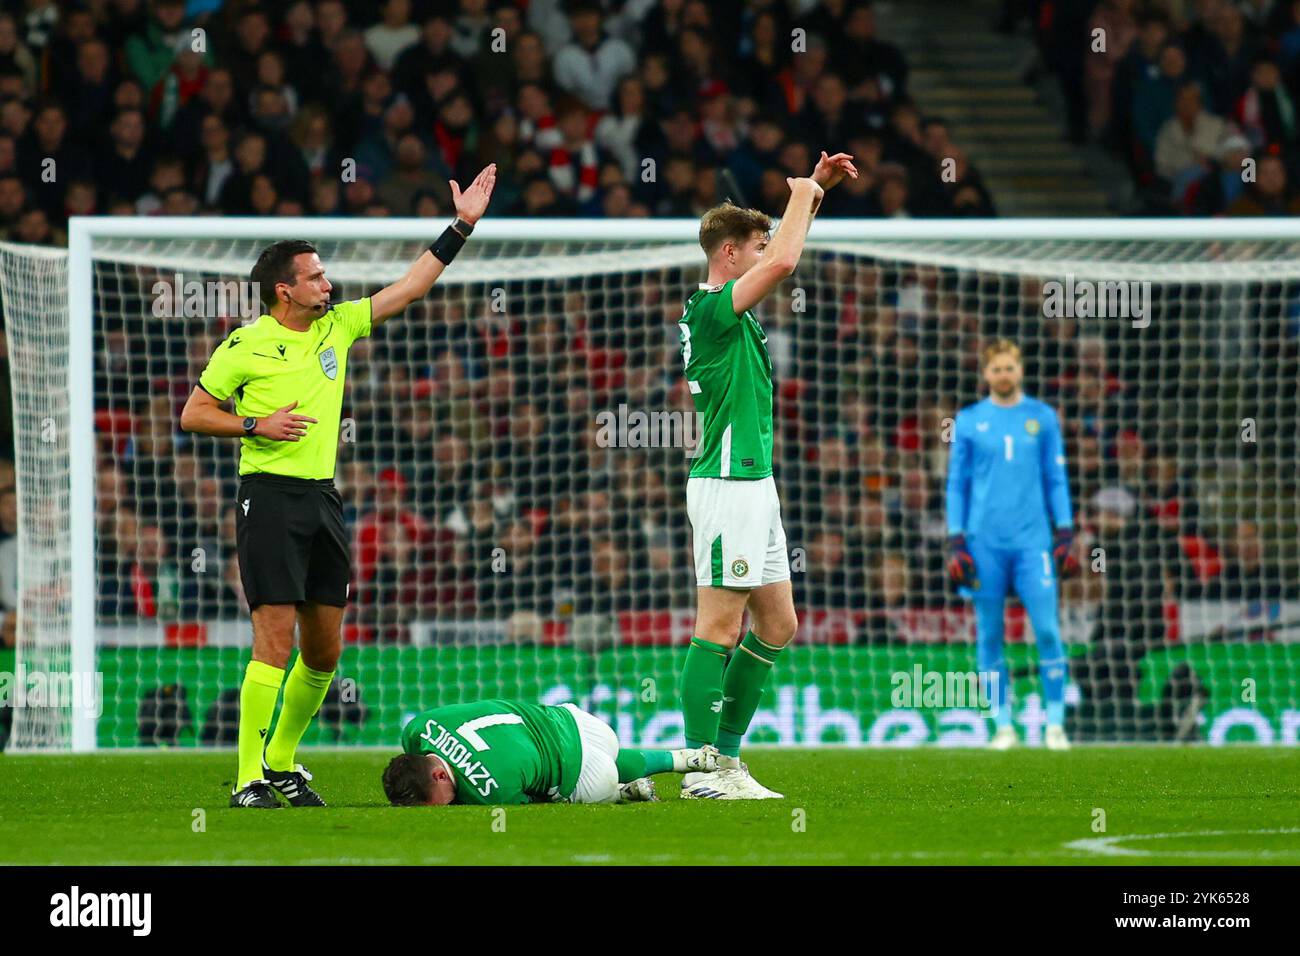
pixel 293 546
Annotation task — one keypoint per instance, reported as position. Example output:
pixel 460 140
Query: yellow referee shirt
pixel 266 366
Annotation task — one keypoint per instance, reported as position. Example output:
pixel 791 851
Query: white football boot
pixel 731 781
pixel 756 789
pixel 1004 739
pixel 690 760
pixel 641 790
pixel 1055 738
pixel 730 784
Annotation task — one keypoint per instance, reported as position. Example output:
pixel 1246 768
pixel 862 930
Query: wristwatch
pixel 250 423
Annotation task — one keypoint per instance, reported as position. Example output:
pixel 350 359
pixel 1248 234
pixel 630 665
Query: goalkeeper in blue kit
pixel 1010 526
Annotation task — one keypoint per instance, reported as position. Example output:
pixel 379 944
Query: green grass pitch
pixel 1187 806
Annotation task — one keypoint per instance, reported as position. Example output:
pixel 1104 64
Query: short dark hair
pixel 406 780
pixel 275 264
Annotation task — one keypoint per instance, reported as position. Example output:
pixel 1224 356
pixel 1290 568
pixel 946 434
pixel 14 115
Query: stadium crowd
pixel 1186 92
pixel 478 486
pixel 199 107
pixel 635 108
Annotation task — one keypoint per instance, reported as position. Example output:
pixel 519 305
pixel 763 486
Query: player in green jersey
pixel 507 751
pixel 731 499
pixel 285 374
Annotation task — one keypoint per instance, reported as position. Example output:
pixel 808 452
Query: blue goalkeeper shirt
pixel 1007 485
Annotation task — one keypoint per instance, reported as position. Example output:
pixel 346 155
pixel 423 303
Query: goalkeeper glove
pixel 961 566
pixel 1063 553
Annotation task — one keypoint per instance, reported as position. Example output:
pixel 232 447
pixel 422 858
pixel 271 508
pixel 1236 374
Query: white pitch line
pixel 1109 846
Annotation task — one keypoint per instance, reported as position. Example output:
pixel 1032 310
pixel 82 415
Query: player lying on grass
pixel 507 751
pixel 731 500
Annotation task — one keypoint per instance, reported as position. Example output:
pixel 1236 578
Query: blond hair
pixel 999 347
pixel 728 222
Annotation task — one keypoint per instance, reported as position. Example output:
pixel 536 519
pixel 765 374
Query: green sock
pixel 702 690
pixel 256 706
pixel 742 689
pixel 635 764
pixel 303 693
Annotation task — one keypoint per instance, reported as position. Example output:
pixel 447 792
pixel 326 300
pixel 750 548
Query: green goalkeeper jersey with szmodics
pixel 501 751
pixel 729 373
pixel 266 366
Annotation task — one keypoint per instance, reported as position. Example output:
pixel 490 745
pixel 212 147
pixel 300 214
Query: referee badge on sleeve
pixel 329 363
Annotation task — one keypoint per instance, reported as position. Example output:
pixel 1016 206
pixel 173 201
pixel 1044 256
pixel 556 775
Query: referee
pixel 285 372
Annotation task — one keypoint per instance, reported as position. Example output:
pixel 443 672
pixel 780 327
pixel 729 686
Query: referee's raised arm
pixel 424 272
pixel 286 373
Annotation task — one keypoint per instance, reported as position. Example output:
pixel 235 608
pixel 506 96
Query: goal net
pixel 513 459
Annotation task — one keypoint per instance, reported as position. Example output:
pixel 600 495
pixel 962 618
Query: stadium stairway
pixel 965 73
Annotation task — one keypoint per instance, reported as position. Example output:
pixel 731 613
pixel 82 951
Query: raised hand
pixel 831 169
pixel 473 202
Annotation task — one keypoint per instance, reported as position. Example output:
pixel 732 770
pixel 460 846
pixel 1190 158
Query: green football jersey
pixel 501 751
pixel 267 366
pixel 729 374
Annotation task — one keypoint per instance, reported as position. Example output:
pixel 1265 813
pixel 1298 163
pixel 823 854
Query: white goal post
pixel 871 285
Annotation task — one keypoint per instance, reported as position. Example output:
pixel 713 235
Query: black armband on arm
pixel 446 246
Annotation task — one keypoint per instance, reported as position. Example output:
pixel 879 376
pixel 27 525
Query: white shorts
pixel 598 778
pixel 739 540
